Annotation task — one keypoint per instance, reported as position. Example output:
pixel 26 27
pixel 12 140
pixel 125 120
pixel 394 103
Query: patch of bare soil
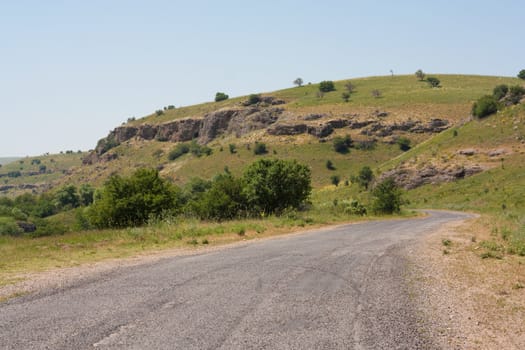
pixel 468 302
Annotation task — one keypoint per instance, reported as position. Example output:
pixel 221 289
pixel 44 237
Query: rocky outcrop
pixel 381 129
pixel 287 129
pixel 411 178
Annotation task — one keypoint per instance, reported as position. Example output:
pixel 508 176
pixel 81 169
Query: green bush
pixel 233 148
pixel 521 74
pixel 221 96
pixel 345 96
pixel 516 93
pixel 403 143
pixel 330 165
pixel 342 144
pixel 272 185
pixel 9 227
pixel 179 150
pixel 222 201
pixel 326 86
pixel 335 179
pixel 253 99
pixel 131 201
pixel 353 207
pixel 433 81
pixel 199 150
pixel 485 106
pixel 500 91
pixel 386 197
pixel 260 148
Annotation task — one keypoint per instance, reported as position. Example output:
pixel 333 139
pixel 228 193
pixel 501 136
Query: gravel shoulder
pixel 468 302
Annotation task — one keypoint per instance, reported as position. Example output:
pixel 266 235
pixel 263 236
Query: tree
pixel 272 185
pixel 85 194
pixel 326 86
pixel 433 81
pixel 221 96
pixel 131 201
pixel 365 177
pixel 386 197
pixel 298 82
pixel 346 96
pixel 485 106
pixel 420 75
pixel 232 148
pixel 521 74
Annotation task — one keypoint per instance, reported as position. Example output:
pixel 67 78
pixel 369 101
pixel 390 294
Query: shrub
pixel 345 96
pixel 106 144
pixel 222 201
pixel 330 165
pixel 272 185
pixel 353 207
pixel 260 148
pixel 335 179
pixel 179 150
pixel 521 74
pixel 387 197
pixel 342 144
pixel 199 150
pixel 253 99
pixel 516 93
pixel 233 148
pixel 67 198
pixel 500 91
pixel 485 106
pixel 403 143
pixel 9 227
pixel 131 201
pixel 433 81
pixel 298 82
pixel 159 112
pixel 221 96
pixel 326 86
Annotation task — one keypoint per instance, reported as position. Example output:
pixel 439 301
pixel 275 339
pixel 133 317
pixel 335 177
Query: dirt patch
pixel 472 303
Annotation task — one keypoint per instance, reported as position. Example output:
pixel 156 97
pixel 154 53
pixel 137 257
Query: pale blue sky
pixel 72 70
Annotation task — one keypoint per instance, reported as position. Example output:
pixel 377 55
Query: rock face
pixel 239 121
pixel 412 178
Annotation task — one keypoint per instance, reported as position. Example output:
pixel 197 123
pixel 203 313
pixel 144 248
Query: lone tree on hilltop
pixel 221 96
pixel 326 86
pixel 298 82
pixel 521 74
pixel 420 75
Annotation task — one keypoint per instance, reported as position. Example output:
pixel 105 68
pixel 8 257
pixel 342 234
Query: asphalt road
pixel 338 288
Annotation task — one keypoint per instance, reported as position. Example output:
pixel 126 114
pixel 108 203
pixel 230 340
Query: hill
pixel 295 123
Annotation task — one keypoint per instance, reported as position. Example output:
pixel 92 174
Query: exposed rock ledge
pixel 409 178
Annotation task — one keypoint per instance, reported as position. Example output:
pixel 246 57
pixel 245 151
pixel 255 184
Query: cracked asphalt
pixel 335 288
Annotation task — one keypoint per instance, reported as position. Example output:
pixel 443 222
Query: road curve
pixel 336 288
